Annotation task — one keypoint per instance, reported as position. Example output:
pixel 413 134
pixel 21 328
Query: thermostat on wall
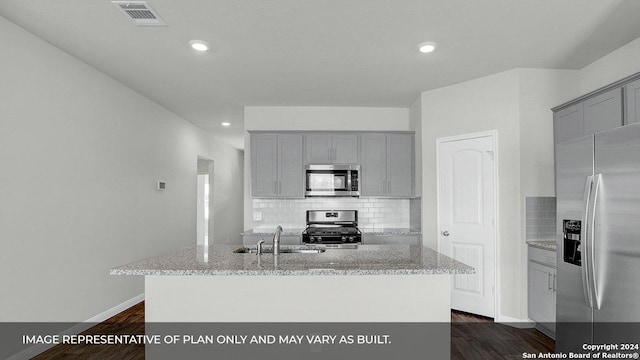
pixel 162 185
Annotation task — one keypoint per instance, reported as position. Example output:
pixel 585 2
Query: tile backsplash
pixel 373 214
pixel 540 218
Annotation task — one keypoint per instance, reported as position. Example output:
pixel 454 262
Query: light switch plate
pixel 257 216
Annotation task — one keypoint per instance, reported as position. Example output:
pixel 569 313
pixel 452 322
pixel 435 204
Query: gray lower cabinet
pixel 251 240
pixel 542 282
pixel 603 112
pixel 632 102
pixel 331 149
pixel 387 165
pixel 276 166
pixel 376 239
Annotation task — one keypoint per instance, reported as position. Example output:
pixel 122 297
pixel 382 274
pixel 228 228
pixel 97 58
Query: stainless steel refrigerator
pixel 598 213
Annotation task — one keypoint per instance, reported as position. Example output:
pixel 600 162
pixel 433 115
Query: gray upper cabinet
pixel 278 159
pixel 609 107
pixel 332 149
pixel 290 166
pixel 345 149
pixel 373 170
pixel 276 166
pixel 568 123
pixel 319 148
pixel 603 112
pixel 400 165
pixel 595 114
pixel 264 165
pixel 387 165
pixel 632 102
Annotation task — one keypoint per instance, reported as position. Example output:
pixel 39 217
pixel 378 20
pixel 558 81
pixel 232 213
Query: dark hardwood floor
pixel 472 337
pixel 478 337
pixel 130 321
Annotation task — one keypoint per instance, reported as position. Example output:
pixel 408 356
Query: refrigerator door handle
pixel 584 231
pixel 591 239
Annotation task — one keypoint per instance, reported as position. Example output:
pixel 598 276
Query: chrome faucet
pixel 259 247
pixel 276 241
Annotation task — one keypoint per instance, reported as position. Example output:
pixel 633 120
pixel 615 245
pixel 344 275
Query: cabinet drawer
pixel 545 257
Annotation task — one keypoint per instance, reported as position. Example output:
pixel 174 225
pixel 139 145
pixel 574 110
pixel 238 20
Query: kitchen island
pixel 374 283
pixel 375 302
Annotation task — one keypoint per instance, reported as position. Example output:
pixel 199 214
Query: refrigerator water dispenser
pixel 571 240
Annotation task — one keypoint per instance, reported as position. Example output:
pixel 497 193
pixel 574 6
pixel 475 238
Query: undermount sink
pixel 283 249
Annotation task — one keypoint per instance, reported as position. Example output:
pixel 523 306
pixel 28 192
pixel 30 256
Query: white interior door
pixel 466 218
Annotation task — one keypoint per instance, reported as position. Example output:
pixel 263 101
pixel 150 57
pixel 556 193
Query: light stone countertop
pixel 290 232
pixel 543 244
pixel 366 260
pixel 392 231
pixel 265 232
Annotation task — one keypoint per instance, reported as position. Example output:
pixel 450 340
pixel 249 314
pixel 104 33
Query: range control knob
pixel 351 239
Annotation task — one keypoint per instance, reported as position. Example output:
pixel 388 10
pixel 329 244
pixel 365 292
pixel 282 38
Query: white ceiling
pixel 321 52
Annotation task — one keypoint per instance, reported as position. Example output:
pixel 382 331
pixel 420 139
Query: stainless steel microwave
pixel 332 180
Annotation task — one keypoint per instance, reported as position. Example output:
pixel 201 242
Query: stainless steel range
pixel 333 227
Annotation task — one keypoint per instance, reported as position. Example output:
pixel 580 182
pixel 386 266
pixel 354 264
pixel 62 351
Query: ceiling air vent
pixel 140 12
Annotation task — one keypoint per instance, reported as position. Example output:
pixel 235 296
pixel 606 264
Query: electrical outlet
pixel 161 185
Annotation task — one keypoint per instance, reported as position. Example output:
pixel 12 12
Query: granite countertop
pixel 266 232
pixel 392 231
pixel 289 232
pixel 366 260
pixel 543 244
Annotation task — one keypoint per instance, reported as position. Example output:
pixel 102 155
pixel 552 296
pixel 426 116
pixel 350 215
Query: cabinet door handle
pixel 275 187
pixel 549 281
pixel 388 187
pixel 279 187
pixel 554 282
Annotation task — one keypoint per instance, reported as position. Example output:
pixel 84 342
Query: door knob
pixel 445 233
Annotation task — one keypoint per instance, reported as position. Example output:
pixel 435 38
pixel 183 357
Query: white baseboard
pixel 525 323
pixel 40 348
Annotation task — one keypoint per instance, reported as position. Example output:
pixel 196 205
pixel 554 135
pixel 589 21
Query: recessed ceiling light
pixel 427 47
pixel 226 124
pixel 199 45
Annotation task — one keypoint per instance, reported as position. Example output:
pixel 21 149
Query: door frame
pixel 493 134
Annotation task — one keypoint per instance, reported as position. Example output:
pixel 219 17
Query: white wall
pixel 325 118
pixel 80 155
pixel 415 124
pixel 315 118
pixel 540 90
pixel 610 68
